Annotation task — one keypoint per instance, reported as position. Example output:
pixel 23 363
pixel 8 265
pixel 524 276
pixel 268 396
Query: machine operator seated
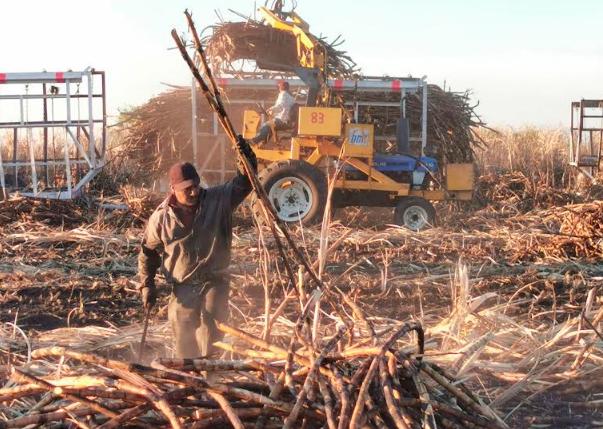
pixel 280 113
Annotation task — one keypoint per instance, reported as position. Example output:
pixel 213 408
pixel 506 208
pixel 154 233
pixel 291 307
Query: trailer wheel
pixel 296 189
pixel 414 213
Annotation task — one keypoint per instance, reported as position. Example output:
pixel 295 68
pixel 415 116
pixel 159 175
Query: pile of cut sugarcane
pixel 328 384
pixel 230 42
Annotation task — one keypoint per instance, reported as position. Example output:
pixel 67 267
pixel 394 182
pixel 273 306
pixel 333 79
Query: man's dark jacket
pixel 188 255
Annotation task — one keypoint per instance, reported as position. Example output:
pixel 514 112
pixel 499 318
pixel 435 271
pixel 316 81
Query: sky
pixel 524 60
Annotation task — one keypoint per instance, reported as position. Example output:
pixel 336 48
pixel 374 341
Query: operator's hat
pixel 182 175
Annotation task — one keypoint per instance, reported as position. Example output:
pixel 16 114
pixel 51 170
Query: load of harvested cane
pixel 452 122
pixel 269 47
pixel 157 133
pixel 154 135
pixel 335 385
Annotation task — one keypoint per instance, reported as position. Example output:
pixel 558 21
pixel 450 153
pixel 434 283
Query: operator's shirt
pixel 187 252
pixel 282 106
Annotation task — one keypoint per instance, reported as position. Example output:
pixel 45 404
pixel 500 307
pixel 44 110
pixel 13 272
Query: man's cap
pixel 182 175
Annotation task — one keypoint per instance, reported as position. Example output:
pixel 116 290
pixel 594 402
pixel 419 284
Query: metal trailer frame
pixel 402 85
pixel 586 141
pixel 92 156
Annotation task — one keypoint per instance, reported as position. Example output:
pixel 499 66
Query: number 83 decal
pixel 317 118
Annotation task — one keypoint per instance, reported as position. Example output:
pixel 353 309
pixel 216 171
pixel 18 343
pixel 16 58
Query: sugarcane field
pixel 301 214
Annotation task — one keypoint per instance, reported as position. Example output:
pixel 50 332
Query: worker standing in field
pixel 189 237
pixel 280 113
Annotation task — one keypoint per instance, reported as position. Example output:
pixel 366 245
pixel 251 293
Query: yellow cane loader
pixel 327 138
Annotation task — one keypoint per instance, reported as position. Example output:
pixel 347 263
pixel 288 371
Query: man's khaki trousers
pixel 192 312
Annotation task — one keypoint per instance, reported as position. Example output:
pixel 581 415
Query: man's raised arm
pixel 241 185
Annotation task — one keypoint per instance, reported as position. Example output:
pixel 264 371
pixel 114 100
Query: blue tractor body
pixel 403 168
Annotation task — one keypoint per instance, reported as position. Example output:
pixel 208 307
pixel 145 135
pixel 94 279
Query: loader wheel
pixel 414 213
pixel 296 189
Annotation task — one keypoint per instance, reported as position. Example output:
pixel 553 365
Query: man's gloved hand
pixel 148 294
pixel 245 149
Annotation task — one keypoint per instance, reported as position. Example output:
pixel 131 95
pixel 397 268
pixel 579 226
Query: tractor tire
pixel 297 190
pixel 414 213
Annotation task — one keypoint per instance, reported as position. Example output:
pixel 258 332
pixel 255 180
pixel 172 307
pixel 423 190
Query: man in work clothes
pixel 189 237
pixel 280 112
